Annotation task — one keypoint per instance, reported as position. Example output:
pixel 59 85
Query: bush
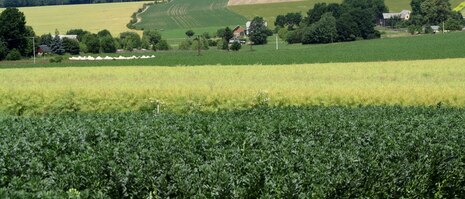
pixel 162 45
pixel 236 46
pixel 185 45
pixel 294 37
pixel 453 25
pixel 199 43
pixel 212 42
pixel 152 37
pixel 282 33
pixel 223 45
pixel 107 44
pixel 104 33
pixel 429 30
pixel 322 31
pixel 414 29
pixel 13 55
pixel 92 42
pixel 71 46
pixel 130 40
pixel 190 33
pixel 57 59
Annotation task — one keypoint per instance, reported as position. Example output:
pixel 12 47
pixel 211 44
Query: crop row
pixel 371 152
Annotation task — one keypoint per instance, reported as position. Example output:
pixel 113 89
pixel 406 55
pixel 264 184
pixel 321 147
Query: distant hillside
pixel 271 10
pixel 27 3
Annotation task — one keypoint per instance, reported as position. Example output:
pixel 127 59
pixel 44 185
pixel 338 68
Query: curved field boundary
pixel 247 2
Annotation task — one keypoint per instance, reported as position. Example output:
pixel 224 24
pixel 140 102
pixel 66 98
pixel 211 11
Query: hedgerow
pixel 370 152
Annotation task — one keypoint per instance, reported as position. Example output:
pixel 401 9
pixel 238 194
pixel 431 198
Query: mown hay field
pixel 92 17
pixel 212 88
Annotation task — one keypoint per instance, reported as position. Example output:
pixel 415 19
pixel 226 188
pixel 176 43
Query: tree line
pixel 24 3
pixel 356 19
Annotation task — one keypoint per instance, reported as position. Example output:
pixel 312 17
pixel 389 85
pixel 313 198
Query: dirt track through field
pixel 245 2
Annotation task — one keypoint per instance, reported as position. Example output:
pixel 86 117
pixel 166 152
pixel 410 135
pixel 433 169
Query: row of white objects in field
pixel 90 58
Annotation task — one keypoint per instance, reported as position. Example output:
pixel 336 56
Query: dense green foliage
pixel 327 23
pixel 13 31
pixel 13 55
pixel 426 13
pixel 23 3
pixel 258 31
pixel 56 46
pixel 371 152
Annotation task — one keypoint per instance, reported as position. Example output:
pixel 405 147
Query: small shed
pixel 42 49
pixel 436 29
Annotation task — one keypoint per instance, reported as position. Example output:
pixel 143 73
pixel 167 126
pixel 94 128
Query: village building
pixel 43 49
pixel 239 32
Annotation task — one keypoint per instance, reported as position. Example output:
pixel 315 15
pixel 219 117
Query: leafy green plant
pixel 316 152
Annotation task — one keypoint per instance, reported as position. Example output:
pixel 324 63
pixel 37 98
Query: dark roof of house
pixel 45 48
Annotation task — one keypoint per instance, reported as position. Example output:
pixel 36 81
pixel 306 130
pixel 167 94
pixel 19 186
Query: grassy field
pixel 177 16
pixel 422 47
pixel 212 88
pixel 270 11
pixel 92 17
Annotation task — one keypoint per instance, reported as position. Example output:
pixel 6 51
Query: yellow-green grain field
pixel 211 88
pixel 91 17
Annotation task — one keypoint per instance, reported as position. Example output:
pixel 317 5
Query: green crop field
pixel 439 46
pixel 270 11
pixel 212 88
pixel 372 152
pixel 92 17
pixel 177 16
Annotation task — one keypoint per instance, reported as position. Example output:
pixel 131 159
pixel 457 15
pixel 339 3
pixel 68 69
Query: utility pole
pixel 33 48
pixel 443 29
pixel 277 44
pixel 198 48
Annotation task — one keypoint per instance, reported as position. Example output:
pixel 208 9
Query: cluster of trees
pixel 426 13
pixel 23 3
pixel 103 42
pixel 326 23
pixel 15 36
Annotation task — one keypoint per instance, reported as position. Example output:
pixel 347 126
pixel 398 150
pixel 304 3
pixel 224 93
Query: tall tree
pixel 13 29
pixel 322 31
pixel 436 11
pixel 57 46
pixel 258 32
